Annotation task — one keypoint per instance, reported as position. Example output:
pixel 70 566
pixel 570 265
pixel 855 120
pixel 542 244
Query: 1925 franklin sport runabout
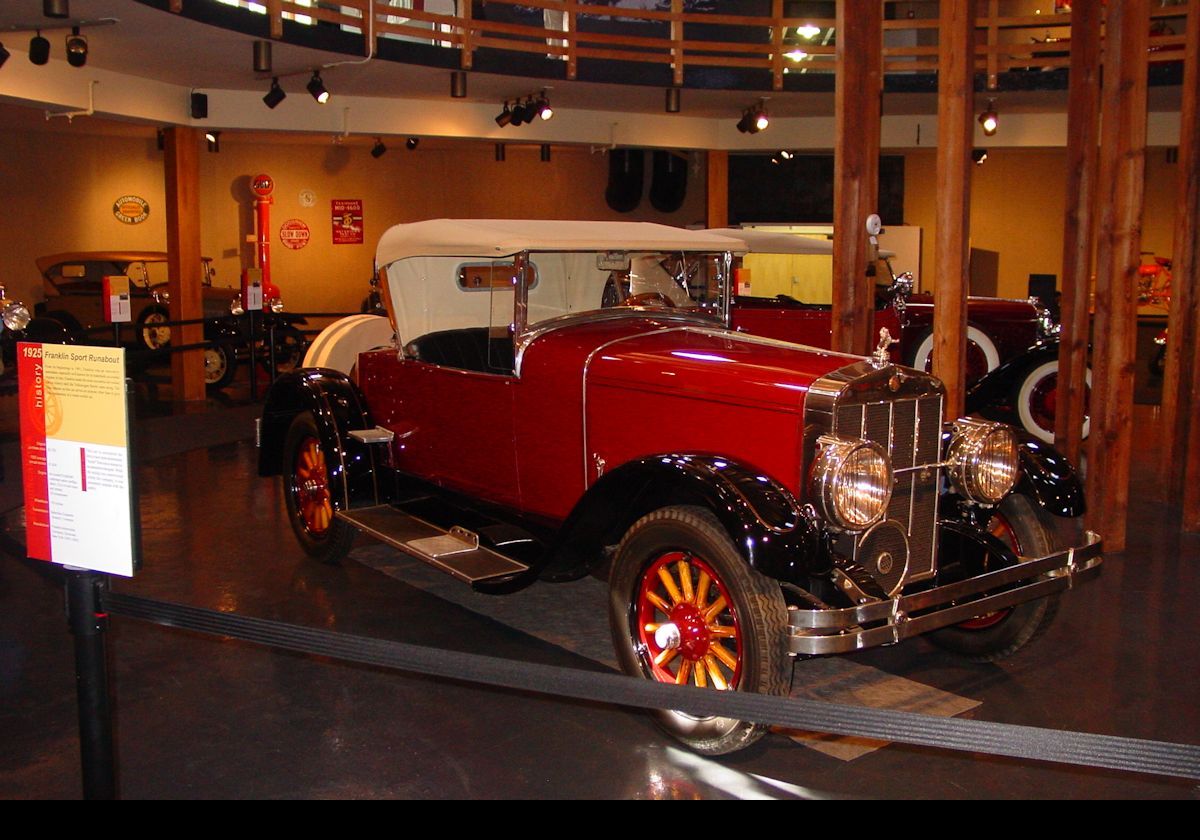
pixel 750 500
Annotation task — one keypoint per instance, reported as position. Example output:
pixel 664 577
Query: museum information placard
pixel 75 447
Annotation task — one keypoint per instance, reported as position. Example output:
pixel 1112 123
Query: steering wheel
pixel 649 298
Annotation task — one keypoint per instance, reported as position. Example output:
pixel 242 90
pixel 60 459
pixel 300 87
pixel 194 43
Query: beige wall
pixel 1017 205
pixel 59 189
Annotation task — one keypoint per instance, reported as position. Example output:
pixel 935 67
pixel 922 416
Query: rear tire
pixel 307 494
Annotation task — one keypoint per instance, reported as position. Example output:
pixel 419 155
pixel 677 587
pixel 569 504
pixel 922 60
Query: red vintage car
pixel 749 500
pixel 1012 345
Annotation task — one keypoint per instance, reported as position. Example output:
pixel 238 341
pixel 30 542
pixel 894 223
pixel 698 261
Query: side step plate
pixel 456 551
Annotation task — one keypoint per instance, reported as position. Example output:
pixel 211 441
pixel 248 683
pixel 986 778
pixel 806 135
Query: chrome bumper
pixel 891 621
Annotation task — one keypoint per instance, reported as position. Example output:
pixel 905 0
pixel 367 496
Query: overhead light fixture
pixel 524 112
pixel 275 95
pixel 199 106
pixel 378 150
pixel 505 116
pixel 500 153
pixel 672 106
pixel 262 56
pixel 39 49
pixel 317 88
pixel 56 8
pixel 979 155
pixel 786 155
pixel 754 119
pixel 214 140
pixel 77 48
pixel 808 31
pixel 796 54
pixel 543 107
pixel 458 84
pixel 989 119
pixel 545 153
pixel 160 139
pixel 4 54
pixel 412 143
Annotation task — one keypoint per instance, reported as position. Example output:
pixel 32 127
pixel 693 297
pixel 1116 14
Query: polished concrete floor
pixel 202 717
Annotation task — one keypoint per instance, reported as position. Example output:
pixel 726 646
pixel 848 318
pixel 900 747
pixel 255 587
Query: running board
pixel 456 551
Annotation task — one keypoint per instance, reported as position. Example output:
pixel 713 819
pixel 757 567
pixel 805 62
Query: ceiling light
pixel 458 84
pixel 524 113
pixel 786 155
pixel 672 106
pixel 808 31
pixel 505 116
pixel 989 119
pixel 500 153
pixel 543 107
pixel 214 140
pixel 199 102
pixel 3 55
pixel 761 120
pixel 262 56
pixel 412 143
pixel 275 95
pixel 545 153
pixel 796 54
pixel 979 155
pixel 77 48
pixel 378 150
pixel 754 119
pixel 317 88
pixel 56 8
pixel 39 49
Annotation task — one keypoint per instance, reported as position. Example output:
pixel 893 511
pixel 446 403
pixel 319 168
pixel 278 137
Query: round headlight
pixel 852 482
pixel 276 304
pixel 15 315
pixel 984 464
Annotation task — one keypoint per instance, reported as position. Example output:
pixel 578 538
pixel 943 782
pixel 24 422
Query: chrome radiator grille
pixel 910 430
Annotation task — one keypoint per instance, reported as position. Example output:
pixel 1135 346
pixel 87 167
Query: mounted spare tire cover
pixel 626 172
pixel 668 182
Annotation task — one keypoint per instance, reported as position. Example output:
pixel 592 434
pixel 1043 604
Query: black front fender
pixel 338 408
pixel 991 394
pixel 775 534
pixel 1048 478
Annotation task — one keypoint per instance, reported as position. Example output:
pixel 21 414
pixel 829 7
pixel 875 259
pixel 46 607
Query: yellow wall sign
pixel 131 209
pixel 75 443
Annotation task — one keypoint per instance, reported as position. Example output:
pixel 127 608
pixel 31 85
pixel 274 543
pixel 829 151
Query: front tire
pixel 306 493
pixel 685 607
pixel 151 329
pixel 220 365
pixel 1029 532
pixel 1036 399
pixel 982 355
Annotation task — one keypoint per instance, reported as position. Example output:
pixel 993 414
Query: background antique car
pixel 14 317
pixel 750 500
pixel 1012 345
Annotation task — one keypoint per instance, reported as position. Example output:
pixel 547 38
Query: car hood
pixel 710 363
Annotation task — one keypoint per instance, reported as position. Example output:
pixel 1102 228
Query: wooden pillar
pixel 718 189
pixel 1083 124
pixel 1181 391
pixel 858 88
pixel 956 99
pixel 182 160
pixel 1120 190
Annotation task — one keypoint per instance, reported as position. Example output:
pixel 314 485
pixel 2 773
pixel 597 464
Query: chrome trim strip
pixel 812 632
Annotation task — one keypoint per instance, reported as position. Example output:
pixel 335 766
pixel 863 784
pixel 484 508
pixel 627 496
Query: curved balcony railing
pixel 684 34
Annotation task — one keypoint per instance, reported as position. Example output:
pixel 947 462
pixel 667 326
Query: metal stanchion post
pixel 271 349
pixel 88 623
pixel 253 354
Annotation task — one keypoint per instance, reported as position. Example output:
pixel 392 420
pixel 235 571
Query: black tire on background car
pixel 1029 532
pixel 149 329
pixel 982 355
pixel 290 345
pixel 731 620
pixel 306 494
pixel 220 364
pixel 1035 396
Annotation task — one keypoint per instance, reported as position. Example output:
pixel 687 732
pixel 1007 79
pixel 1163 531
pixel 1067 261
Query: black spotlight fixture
pixel 56 8
pixel 317 88
pixel 989 119
pixel 505 116
pixel 979 156
pixel 262 56
pixel 4 54
pixel 275 95
pixel 522 113
pixel 545 153
pixel 754 119
pixel 412 143
pixel 199 106
pixel 77 48
pixel 458 84
pixel 160 139
pixel 500 154
pixel 672 106
pixel 214 140
pixel 378 150
pixel 543 107
pixel 39 49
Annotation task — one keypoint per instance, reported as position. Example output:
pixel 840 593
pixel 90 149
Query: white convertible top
pixel 495 238
pixel 778 242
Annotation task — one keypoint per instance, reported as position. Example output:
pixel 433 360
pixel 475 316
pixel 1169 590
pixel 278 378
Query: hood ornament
pixel 880 358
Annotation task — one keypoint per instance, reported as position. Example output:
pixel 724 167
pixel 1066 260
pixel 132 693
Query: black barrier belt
pixel 1129 754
